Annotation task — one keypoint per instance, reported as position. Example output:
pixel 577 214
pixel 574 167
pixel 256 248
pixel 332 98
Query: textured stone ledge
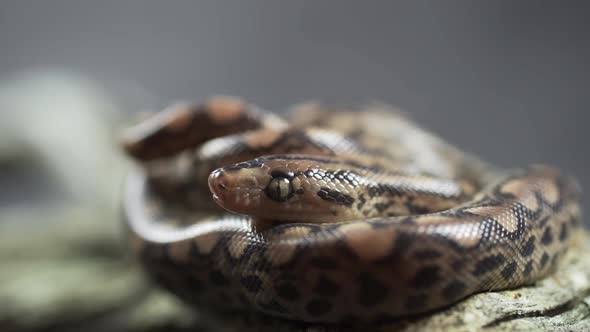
pixel 73 274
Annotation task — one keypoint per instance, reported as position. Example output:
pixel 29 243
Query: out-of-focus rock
pixel 67 126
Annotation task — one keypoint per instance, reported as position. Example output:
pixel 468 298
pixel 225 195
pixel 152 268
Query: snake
pixel 333 215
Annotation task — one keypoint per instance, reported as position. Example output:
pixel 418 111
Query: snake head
pixel 279 188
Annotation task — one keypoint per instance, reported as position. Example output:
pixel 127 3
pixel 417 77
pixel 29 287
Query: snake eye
pixel 279 189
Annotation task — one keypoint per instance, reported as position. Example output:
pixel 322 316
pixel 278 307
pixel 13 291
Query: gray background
pixel 507 80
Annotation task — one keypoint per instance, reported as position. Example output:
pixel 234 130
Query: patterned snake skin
pixel 333 216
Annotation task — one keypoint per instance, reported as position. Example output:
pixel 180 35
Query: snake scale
pixel 333 215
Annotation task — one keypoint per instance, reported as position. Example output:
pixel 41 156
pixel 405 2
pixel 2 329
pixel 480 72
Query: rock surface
pixel 73 273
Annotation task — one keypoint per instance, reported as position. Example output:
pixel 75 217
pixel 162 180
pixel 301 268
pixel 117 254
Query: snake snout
pixel 218 186
pixel 216 182
pixel 236 191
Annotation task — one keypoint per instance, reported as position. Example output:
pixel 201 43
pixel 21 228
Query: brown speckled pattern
pixel 505 228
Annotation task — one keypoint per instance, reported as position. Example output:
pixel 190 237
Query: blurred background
pixel 508 81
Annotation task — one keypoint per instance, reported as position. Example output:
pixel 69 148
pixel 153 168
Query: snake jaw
pixel 217 199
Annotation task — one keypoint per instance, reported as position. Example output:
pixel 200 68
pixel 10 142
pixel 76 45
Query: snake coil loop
pixel 334 217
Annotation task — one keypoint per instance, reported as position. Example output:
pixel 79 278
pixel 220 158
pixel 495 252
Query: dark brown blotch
pixel 418 209
pixel 426 277
pixel 458 265
pixel 547 237
pixel 509 270
pixel 318 307
pixel 415 302
pixel 383 318
pixel 326 287
pixel 361 201
pixel 251 283
pixel 380 207
pixel 325 263
pixel 375 191
pixel 488 264
pixel 349 320
pixel 426 254
pixel 563 232
pixel 273 306
pixel 193 283
pixel 529 247
pixel 371 291
pixel 543 222
pixel 335 196
pixel 454 290
pixel 287 292
pixel 223 297
pixel 217 278
pixel 243 300
pixel 528 268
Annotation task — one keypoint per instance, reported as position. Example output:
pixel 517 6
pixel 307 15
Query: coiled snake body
pixel 334 217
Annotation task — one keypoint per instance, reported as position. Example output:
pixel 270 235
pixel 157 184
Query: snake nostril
pixel 214 183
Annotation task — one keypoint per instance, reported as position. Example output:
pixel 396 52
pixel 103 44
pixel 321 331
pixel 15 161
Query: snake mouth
pixel 216 198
